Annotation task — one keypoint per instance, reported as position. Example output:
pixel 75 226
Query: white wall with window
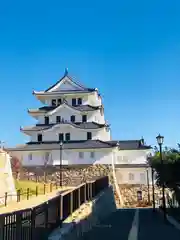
pixel 132 175
pixel 87 99
pixel 75 134
pixel 69 157
pixel 66 112
pixel 132 156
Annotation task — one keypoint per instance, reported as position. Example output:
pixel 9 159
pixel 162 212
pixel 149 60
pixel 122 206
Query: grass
pixel 23 186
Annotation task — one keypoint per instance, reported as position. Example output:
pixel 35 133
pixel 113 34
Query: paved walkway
pixel 134 224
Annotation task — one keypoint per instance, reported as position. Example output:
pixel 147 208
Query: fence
pixel 26 194
pixel 40 221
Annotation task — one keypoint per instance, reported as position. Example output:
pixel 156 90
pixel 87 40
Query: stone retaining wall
pixel 129 195
pixel 72 175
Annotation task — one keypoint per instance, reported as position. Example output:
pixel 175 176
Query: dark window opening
pixel 73 118
pixel 89 135
pixel 53 102
pixel 58 119
pixel 74 102
pixel 59 101
pixel 39 137
pixel 67 136
pixel 61 137
pixel 84 118
pixel 79 101
pixel 46 120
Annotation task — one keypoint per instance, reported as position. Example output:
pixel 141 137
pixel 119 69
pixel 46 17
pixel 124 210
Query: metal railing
pixel 28 193
pixel 40 221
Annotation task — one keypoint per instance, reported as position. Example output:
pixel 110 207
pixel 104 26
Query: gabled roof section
pixel 49 109
pixel 79 108
pixel 79 125
pixel 132 145
pixel 66 83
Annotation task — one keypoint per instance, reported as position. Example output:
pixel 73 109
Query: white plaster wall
pixel 139 175
pixel 101 156
pixel 66 113
pixel 65 85
pixel 76 133
pixel 87 98
pixel 132 156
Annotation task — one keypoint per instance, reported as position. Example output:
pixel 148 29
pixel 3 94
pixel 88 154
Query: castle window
pixel 142 177
pixel 73 118
pixel 46 120
pixel 61 137
pixel 39 137
pixel 84 118
pixel 73 101
pixel 30 156
pixel 68 137
pixel 131 176
pixel 58 119
pixel 92 154
pixel 81 155
pixel 89 135
pixel 53 102
pixel 59 101
pixel 79 101
pixel 46 157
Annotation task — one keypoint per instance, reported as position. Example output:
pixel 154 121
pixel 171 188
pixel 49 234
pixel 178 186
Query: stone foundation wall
pixel 73 175
pixel 129 195
pixel 77 174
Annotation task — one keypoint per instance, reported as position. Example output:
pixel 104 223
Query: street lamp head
pixel 160 139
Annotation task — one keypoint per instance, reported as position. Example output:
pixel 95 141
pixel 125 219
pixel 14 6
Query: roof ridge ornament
pixel 66 72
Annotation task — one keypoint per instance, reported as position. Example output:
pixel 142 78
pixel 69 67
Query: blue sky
pixel 130 50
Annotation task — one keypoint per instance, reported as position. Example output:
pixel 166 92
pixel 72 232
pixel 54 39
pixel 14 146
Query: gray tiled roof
pixel 36 128
pixel 89 125
pixel 87 90
pixel 81 125
pixel 88 144
pixel 140 165
pixel 82 108
pixel 79 84
pixel 131 145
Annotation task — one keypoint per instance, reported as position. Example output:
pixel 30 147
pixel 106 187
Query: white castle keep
pixel 73 115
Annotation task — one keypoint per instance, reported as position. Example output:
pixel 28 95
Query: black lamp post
pixel 153 196
pixel 152 180
pixel 147 174
pixel 160 140
pixel 60 166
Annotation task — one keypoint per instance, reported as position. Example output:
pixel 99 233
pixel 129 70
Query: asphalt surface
pixel 134 224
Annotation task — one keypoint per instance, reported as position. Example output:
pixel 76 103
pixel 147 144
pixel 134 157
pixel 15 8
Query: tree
pixel 15 164
pixel 170 171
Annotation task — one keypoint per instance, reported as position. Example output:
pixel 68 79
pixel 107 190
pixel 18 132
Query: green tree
pixel 169 172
